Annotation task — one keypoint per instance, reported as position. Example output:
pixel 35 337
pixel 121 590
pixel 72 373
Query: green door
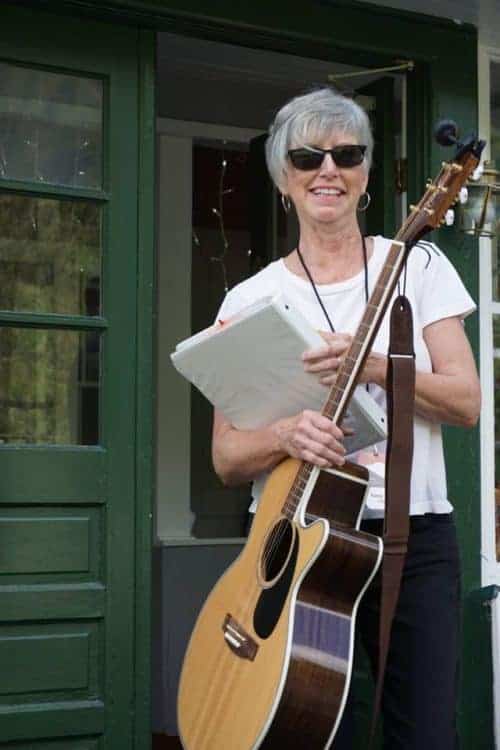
pixel 68 281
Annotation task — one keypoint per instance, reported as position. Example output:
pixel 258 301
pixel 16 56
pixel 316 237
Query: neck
pixel 323 240
pixel 330 255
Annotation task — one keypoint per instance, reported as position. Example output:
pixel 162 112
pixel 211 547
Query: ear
pixel 283 184
pixel 367 178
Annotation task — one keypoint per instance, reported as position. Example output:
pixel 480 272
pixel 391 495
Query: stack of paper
pixel 250 368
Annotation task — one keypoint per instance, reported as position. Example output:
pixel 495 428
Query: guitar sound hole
pixel 277 550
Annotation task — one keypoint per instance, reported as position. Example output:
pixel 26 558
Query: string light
pixel 219 213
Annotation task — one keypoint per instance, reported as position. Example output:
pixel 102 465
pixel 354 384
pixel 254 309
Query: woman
pixel 318 154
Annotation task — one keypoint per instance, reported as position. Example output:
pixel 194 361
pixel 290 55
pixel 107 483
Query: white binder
pixel 250 368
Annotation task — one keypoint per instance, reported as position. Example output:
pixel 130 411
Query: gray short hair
pixel 310 117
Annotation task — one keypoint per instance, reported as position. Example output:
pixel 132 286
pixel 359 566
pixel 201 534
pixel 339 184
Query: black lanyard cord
pixel 308 274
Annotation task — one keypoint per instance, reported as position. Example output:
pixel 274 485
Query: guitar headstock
pixel 442 192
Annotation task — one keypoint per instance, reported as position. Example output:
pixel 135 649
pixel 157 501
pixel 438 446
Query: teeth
pixel 326 191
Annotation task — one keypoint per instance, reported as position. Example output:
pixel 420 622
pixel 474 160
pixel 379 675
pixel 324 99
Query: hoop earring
pixel 368 200
pixel 286 203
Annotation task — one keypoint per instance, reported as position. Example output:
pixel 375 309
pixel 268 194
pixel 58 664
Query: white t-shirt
pixel 435 292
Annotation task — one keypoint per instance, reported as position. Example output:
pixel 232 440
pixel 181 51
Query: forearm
pixel 241 455
pixel 446 398
pixel 449 394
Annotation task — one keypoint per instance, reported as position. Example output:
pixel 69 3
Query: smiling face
pixel 329 194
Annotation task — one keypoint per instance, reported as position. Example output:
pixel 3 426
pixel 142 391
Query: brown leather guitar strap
pixel 400 408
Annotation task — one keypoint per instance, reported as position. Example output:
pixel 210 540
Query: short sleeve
pixel 262 284
pixel 233 302
pixel 226 309
pixel 442 293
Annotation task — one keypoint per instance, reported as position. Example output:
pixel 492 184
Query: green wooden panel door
pixel 68 260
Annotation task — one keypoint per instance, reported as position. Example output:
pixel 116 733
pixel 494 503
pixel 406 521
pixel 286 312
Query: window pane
pixel 50 255
pixel 50 127
pixel 495 155
pixel 49 386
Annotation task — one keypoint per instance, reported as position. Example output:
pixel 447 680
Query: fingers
pixel 328 378
pixel 324 364
pixel 348 431
pixel 330 337
pixel 317 440
pixel 336 344
pixel 326 359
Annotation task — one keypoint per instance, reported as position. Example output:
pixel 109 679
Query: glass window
pixel 49 386
pixel 50 127
pixel 50 255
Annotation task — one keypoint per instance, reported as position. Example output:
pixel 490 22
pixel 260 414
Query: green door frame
pixel 146 388
pixel 443 84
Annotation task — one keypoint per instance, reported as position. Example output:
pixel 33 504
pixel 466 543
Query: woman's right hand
pixel 311 437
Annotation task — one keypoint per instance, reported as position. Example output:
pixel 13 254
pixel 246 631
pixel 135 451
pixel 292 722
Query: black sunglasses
pixel 311 157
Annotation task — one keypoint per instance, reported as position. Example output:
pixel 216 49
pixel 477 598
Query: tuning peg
pixel 477 173
pixel 449 217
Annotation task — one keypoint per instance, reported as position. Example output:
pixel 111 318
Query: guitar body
pixel 270 658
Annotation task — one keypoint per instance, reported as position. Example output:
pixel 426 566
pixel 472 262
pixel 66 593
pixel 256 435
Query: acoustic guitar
pixel 270 659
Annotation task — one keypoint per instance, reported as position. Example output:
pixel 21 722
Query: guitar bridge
pixel 238 640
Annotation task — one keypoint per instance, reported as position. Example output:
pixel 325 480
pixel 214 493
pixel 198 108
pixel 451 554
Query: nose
pixel 328 165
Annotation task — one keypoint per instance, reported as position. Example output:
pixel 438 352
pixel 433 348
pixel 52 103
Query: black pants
pixel 418 706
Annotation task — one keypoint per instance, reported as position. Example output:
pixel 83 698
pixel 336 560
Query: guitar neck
pixel 352 364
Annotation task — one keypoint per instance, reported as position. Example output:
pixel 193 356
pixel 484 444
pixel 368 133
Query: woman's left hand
pixel 325 361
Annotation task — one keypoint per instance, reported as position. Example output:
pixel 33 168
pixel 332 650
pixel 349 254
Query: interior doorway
pixel 219 221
